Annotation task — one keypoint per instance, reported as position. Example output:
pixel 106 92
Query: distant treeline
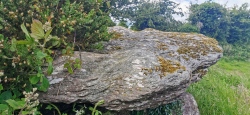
pixel 227 25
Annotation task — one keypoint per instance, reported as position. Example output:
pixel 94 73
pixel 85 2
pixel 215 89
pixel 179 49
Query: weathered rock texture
pixel 137 70
pixel 189 105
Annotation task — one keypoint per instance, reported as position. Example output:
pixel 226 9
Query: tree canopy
pixel 144 14
pixel 231 25
pixel 212 19
pixel 240 24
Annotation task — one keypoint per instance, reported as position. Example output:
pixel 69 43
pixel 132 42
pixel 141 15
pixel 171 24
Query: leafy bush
pixel 123 24
pixel 238 52
pixel 26 55
pixel 188 28
pixel 81 21
pixel 22 67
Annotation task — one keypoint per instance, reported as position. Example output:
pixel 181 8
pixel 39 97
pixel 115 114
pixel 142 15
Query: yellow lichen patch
pixel 213 43
pixel 177 35
pixel 191 51
pixel 162 46
pixel 149 29
pixel 171 35
pixel 192 45
pixel 116 35
pixel 168 66
pixel 116 47
pixel 185 57
pixel 195 48
pixel 165 67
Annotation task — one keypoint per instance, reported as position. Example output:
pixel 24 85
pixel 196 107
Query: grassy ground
pixel 225 90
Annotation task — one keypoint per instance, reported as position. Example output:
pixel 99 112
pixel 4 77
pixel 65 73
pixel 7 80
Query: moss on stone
pixel 116 35
pixel 162 46
pixel 116 47
pixel 165 67
pixel 195 48
pixel 168 66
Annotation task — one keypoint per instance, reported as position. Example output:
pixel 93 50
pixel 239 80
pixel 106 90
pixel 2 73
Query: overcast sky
pixel 184 4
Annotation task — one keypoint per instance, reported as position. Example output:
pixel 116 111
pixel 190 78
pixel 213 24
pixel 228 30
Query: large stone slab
pixel 136 70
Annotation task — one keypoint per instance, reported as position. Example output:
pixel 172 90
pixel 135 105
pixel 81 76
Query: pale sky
pixel 184 4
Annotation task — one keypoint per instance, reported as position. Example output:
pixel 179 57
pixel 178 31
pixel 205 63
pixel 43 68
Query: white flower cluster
pixel 80 112
pixel 31 99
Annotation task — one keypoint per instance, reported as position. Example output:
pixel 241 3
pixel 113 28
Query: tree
pixel 213 18
pixel 122 9
pixel 145 14
pixel 240 24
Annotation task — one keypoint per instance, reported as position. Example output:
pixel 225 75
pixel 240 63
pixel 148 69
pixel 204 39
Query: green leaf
pixel 54 43
pixel 25 112
pixel 44 85
pixel 69 68
pixel 1 37
pixel 77 63
pixel 78 66
pixel 64 51
pixel 77 60
pixel 1 87
pixel 5 95
pixel 24 29
pixel 3 107
pixel 50 65
pixel 50 69
pixel 40 75
pixel 16 104
pixel 100 102
pixel 91 108
pixel 6 112
pixel 49 51
pixel 16 93
pixel 13 45
pixel 108 4
pixel 48 33
pixel 40 55
pixel 49 107
pixel 37 31
pixel 24 42
pixel 34 79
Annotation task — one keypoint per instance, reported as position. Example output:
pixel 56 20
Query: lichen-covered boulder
pixel 136 70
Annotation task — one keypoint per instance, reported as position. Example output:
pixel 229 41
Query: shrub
pixel 236 51
pixel 188 28
pixel 22 67
pixel 26 53
pixel 82 22
pixel 123 24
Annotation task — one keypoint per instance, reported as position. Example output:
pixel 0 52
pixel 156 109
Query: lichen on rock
pixel 165 67
pixel 139 70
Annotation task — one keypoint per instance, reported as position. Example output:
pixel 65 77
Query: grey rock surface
pixel 136 70
pixel 189 105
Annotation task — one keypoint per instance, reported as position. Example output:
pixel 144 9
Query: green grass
pixel 225 90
